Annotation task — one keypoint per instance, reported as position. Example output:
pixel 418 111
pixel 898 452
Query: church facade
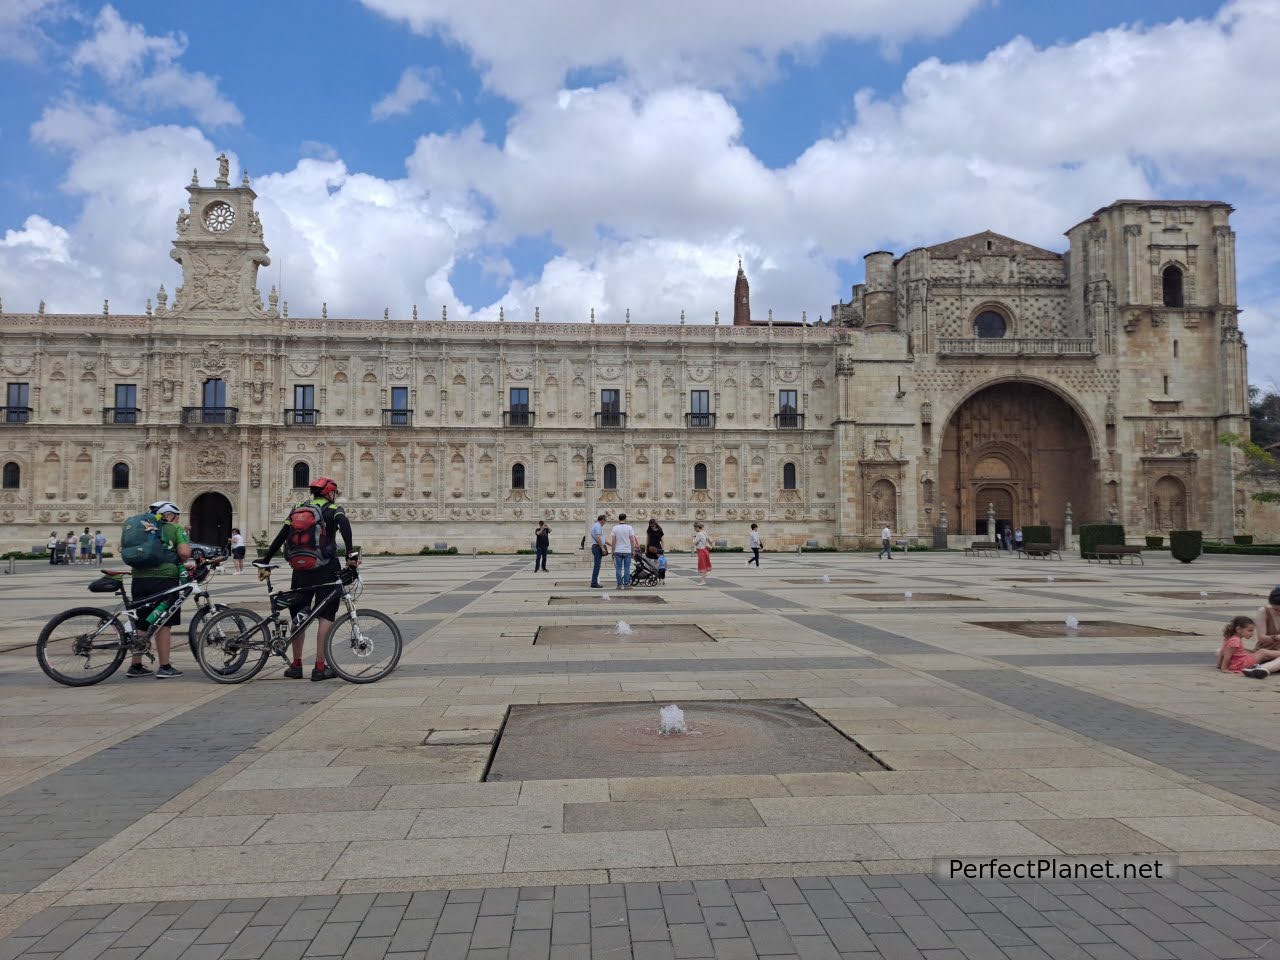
pixel 968 386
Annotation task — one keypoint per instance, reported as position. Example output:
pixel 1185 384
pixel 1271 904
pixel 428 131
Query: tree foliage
pixel 1261 467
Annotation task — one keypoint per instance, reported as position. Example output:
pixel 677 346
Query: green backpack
pixel 142 543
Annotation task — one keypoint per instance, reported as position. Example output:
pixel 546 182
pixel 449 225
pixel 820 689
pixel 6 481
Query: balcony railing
pixel 1016 346
pixel 788 421
pixel 301 417
pixel 120 416
pixel 15 414
pixel 517 418
pixel 700 421
pixel 612 419
pixel 397 418
pixel 210 416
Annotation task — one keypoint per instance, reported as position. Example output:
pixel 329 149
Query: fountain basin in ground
pixel 570 741
pixel 573 634
pixel 1043 629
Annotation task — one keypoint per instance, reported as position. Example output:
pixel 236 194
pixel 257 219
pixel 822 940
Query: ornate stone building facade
pixel 980 379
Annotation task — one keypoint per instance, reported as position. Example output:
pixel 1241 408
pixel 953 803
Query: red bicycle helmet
pixel 324 487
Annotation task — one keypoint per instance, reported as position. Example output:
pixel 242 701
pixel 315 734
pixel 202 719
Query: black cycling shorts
pixel 149 587
pixel 308 600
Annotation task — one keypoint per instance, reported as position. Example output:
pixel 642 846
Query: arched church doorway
pixel 1021 451
pixel 211 520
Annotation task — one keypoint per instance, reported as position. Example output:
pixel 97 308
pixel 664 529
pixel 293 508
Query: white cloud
pixel 38 240
pixel 75 125
pixel 527 49
pixel 22 23
pixel 143 69
pixel 414 88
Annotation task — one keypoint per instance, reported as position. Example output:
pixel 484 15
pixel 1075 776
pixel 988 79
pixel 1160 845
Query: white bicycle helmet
pixel 164 506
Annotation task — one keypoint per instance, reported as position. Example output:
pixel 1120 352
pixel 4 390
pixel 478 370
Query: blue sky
pixel 559 159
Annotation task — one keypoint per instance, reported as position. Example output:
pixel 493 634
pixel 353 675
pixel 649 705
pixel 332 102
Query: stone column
pixel 589 499
pixel 1066 528
pixel 991 522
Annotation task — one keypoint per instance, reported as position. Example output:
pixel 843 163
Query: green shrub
pixel 1256 550
pixel 23 555
pixel 1094 535
pixel 430 552
pixel 1243 539
pixel 1037 533
pixel 1155 543
pixel 727 549
pixel 1185 545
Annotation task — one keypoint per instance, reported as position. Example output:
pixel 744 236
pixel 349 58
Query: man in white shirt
pixel 754 546
pixel 886 544
pixel 598 549
pixel 623 539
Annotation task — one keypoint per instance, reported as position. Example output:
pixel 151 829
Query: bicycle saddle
pixel 267 566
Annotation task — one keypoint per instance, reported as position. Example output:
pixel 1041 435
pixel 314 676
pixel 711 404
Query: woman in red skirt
pixel 702 547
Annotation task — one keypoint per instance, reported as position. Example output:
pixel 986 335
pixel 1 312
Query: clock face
pixel 219 217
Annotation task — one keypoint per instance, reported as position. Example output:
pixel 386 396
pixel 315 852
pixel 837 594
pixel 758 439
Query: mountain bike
pixel 363 645
pixel 85 645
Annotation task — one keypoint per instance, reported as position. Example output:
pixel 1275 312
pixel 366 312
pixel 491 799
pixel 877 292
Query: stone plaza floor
pixel 290 819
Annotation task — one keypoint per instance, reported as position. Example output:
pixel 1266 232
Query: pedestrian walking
pixel 624 544
pixel 236 543
pixel 598 550
pixel 541 544
pixel 99 545
pixel 886 544
pixel 72 543
pixel 753 541
pixel 52 547
pixel 702 547
pixel 1017 539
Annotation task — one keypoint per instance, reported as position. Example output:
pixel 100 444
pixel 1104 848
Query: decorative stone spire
pixel 244 179
pixel 148 306
pixel 771 316
pixel 106 308
pixel 162 299
pixel 537 314
pixel 40 309
pixel 682 318
pixel 285 311
pixel 415 311
pixel 717 320
pixel 804 317
pixel 628 314
pixel 741 299
pixel 593 314
pixel 386 313
pixel 324 310
pixel 444 312
pixel 195 177
pixel 273 301
pixel 502 314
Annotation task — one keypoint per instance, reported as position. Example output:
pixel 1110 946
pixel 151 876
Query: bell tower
pixel 219 244
pixel 741 299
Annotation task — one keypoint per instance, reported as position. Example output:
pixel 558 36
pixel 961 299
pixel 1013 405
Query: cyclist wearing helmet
pixel 148 581
pixel 332 521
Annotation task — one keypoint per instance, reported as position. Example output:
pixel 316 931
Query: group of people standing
pixel 623 543
pixel 88 547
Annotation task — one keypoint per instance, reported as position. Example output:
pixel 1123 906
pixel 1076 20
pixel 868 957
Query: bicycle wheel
pixel 234 646
pixel 82 646
pixel 363 649
pixel 197 625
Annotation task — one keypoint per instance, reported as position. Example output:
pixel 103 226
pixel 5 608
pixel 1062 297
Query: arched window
pixel 12 476
pixel 990 325
pixel 699 476
pixel 610 476
pixel 517 476
pixel 1171 280
pixel 788 476
pixel 120 477
pixel 301 474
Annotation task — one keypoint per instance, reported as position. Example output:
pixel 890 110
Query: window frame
pixel 791 482
pixel 609 468
pixel 519 473
pixel 116 469
pixel 700 466
pixel 11 469
pixel 219 389
pixel 794 407
pixel 293 475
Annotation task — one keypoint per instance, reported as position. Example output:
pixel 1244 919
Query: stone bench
pixel 979 547
pixel 1043 551
pixel 1117 552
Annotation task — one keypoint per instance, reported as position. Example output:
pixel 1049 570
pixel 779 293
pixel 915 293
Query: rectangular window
pixel 700 401
pixel 304 396
pixel 787 402
pixel 215 394
pixel 399 398
pixel 126 396
pixel 18 403
pixel 519 399
pixel 610 401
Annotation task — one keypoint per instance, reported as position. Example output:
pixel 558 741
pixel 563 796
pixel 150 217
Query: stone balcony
pixel 1016 346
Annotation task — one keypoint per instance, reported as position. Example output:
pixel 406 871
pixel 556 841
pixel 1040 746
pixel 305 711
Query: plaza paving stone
pixel 294 819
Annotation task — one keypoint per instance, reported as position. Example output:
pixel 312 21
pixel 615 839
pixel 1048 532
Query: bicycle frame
pixel 127 613
pixel 297 627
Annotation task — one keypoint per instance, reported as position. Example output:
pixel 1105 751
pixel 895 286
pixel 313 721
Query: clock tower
pixel 219 245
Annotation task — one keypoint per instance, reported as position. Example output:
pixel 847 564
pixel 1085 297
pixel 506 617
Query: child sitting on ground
pixel 1233 658
pixel 662 567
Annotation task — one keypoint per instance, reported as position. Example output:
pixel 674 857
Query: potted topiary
pixel 1185 545
pixel 1243 539
pixel 262 542
pixel 1155 543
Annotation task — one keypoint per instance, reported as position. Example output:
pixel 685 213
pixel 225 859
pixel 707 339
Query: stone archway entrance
pixel 1024 450
pixel 211 520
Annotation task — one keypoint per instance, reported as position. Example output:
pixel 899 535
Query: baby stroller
pixel 644 570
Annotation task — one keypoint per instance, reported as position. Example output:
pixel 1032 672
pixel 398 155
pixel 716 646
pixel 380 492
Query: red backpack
pixel 306 546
